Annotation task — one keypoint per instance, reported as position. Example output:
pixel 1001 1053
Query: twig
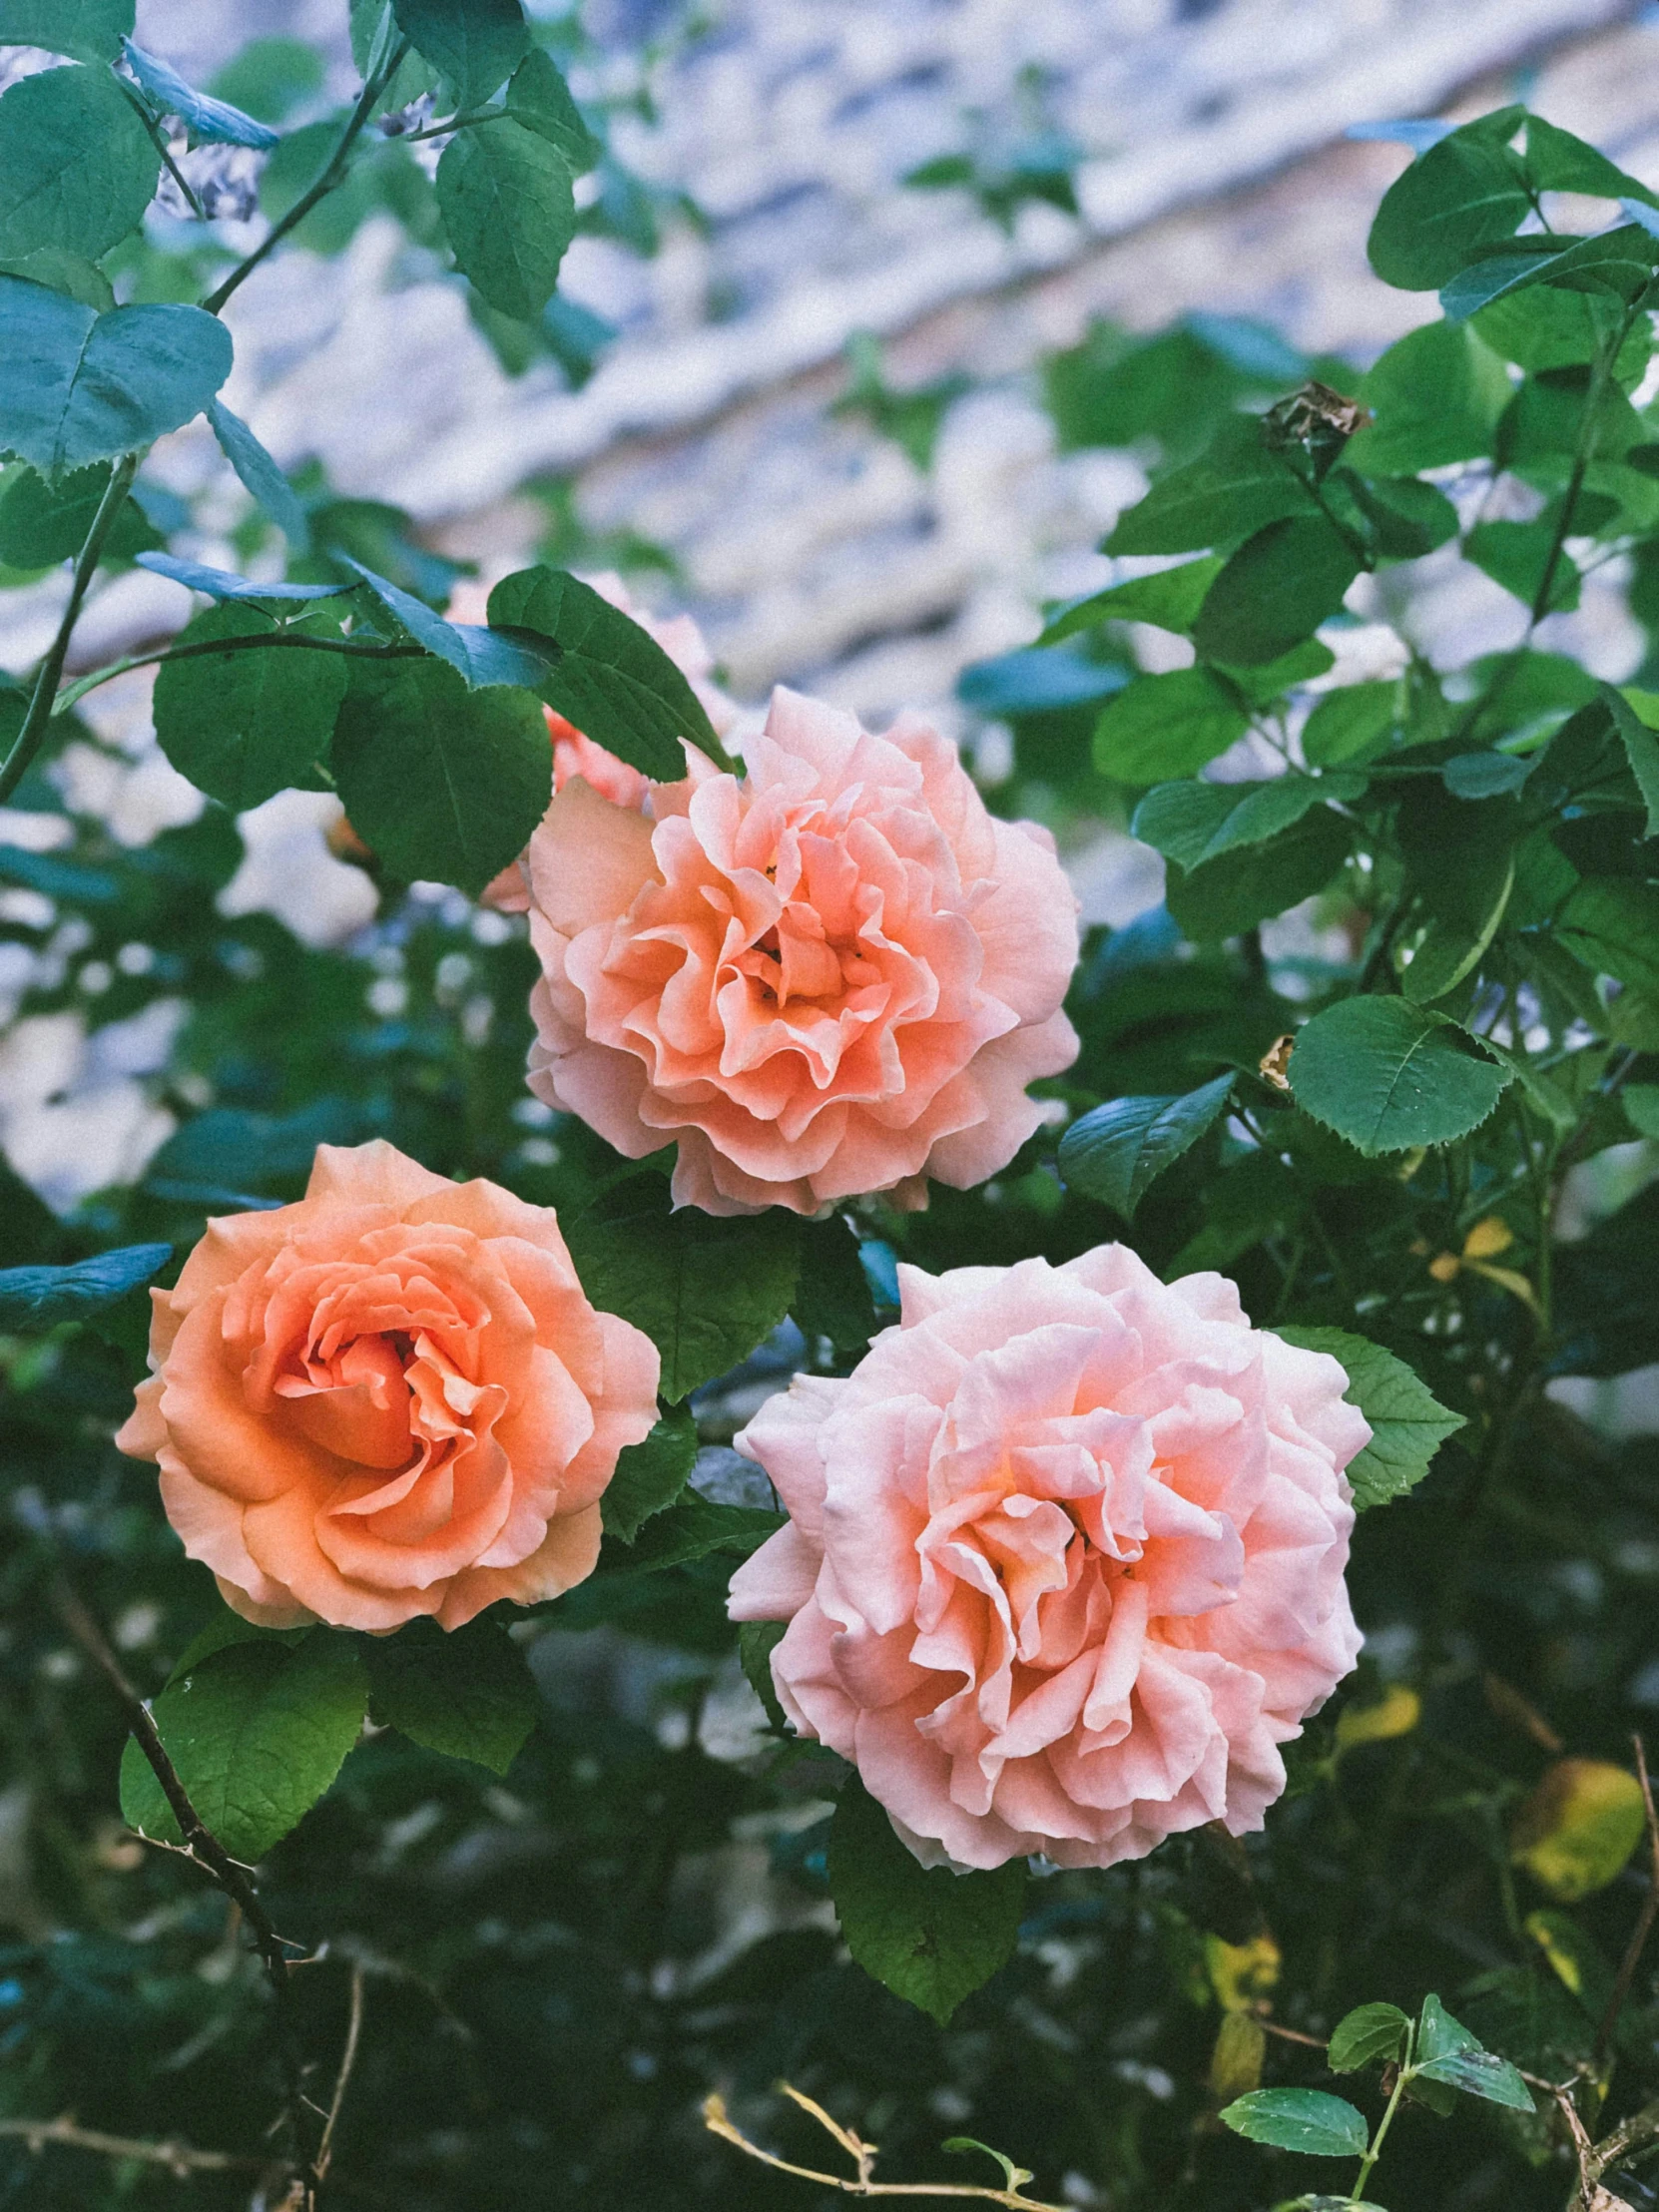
pixel 324 185
pixel 180 2159
pixel 1294 2035
pixel 208 1852
pixel 863 2157
pixel 348 2058
pixel 50 669
pixel 1644 1919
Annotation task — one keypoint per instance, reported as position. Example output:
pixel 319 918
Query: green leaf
pixel 475 44
pixel 1475 775
pixel 260 476
pixel 1611 925
pixel 41 523
pixel 1558 162
pixel 1461 861
pixel 1170 600
pixel 609 678
pixel 929 1936
pixel 539 98
pixel 77 169
pixel 1641 1107
pixel 247 724
pixel 1538 327
pixel 833 1294
pixel 705 1290
pixel 445 783
pixel 70 273
pixel 1439 2035
pixel 271 77
pixel 1191 823
pixel 1618 265
pixel 1234 488
pixel 1117 1151
pixel 1015 2177
pixel 508 204
pixel 78 386
pixel 1388 1077
pixel 1636 718
pixel 692 1527
pixel 465 1692
pixel 1515 555
pixel 212 122
pixel 1251 884
pixel 1350 723
pixel 218 583
pixel 1460 196
pixel 90 30
pixel 41 1298
pixel 756 1641
pixel 648 1475
pixel 1276 590
pixel 482 658
pixel 1164 725
pixel 1404 517
pixel 257 1731
pixel 1368 2032
pixel 1407 1423
pixel 1481 2073
pixel 1305 2121
pixel 1437 396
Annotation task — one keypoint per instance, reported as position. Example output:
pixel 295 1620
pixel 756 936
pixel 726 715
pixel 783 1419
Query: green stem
pixel 73 694
pixel 453 123
pixel 324 184
pixel 159 144
pixel 28 740
pixel 1375 2151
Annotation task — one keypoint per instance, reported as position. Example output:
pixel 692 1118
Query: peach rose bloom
pixel 392 1398
pixel 836 975
pixel 1064 1560
pixel 574 753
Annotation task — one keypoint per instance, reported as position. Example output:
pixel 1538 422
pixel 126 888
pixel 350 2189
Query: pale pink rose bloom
pixel 836 975
pixel 1064 1560
pixel 575 754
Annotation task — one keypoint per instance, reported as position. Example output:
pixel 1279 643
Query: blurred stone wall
pixel 1214 175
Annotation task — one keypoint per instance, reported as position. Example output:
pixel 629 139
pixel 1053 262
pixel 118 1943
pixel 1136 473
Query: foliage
pixel 1395 1023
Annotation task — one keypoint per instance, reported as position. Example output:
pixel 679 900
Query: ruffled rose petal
pixel 389 1400
pixel 837 975
pixel 1065 1559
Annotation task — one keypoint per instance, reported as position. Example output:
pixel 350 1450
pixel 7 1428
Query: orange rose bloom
pixel 392 1398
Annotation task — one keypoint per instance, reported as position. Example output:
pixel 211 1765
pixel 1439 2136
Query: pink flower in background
pixel 575 754
pixel 1064 1560
pixel 392 1398
pixel 836 975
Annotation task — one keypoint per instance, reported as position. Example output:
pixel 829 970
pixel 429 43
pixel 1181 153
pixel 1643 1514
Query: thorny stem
pixel 73 694
pixel 1644 1921
pixel 209 1854
pixel 324 184
pixel 863 2157
pixel 28 737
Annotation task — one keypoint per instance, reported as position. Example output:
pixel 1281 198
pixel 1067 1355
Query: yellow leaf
pixel 1240 1973
pixel 1395 1713
pixel 1445 1266
pixel 1507 1278
pixel 1488 1239
pixel 1236 2063
pixel 1579 1825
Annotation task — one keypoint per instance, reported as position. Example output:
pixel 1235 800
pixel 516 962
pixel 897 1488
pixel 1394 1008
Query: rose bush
pixel 392 1398
pixel 1064 1560
pixel 836 975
